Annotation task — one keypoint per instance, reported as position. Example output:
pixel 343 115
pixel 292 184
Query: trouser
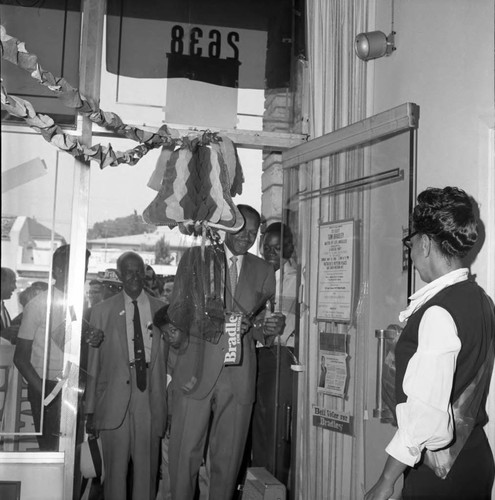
pixel 265 444
pixel 132 439
pixel 49 438
pixel 227 439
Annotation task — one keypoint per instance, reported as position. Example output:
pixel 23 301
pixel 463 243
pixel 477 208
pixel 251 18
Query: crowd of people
pixel 184 376
pixel 152 348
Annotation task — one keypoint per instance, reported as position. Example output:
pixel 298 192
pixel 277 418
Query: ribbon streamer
pixel 14 51
pixel 200 189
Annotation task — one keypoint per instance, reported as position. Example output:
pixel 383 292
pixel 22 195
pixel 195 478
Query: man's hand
pixel 93 336
pixel 245 325
pixel 274 324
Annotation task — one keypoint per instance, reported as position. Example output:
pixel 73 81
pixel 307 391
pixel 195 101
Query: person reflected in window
pixel 152 284
pixel 95 292
pixel 277 248
pixel 27 295
pixel 443 362
pixel 29 356
pixel 168 288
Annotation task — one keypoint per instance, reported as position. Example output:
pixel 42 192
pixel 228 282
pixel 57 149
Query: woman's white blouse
pixel 425 420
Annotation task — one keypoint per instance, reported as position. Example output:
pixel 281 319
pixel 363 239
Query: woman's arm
pixel 22 360
pixel 384 487
pixel 424 420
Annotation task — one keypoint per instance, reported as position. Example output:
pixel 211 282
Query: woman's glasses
pixel 407 240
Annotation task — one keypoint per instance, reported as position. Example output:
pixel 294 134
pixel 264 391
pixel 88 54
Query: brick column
pixel 277 118
pixel 283 114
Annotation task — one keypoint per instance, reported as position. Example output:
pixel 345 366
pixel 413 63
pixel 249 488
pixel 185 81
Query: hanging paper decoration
pixel 196 176
pixel 196 183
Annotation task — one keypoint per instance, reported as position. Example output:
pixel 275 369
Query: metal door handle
pixel 288 422
pixel 387 334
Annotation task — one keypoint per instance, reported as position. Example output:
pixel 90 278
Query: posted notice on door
pixel 335 271
pixel 332 378
pixel 333 420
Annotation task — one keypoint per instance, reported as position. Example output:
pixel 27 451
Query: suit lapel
pixel 246 284
pixel 121 325
pixel 154 306
pixel 248 295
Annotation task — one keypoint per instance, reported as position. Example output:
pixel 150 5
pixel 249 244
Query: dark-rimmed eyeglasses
pixel 407 240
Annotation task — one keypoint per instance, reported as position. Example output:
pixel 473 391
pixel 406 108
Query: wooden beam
pixel 250 139
pixel 272 141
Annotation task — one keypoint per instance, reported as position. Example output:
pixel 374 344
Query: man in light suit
pixel 210 396
pixel 129 418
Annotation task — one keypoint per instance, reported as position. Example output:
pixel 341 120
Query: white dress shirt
pixel 286 303
pixel 425 420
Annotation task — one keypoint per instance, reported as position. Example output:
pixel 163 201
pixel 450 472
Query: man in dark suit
pixel 126 393
pixel 213 386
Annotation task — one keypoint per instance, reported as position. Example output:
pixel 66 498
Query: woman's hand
pixel 384 487
pixel 382 490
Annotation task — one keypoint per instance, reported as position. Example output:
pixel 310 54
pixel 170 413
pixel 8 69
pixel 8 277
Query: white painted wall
pixel 444 62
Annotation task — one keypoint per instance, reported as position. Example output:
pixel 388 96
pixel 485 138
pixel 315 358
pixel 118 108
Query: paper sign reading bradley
pixel 233 321
pixel 333 420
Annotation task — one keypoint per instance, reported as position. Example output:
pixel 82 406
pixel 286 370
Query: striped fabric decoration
pixel 196 183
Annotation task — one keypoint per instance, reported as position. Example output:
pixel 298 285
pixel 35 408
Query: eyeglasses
pixel 407 240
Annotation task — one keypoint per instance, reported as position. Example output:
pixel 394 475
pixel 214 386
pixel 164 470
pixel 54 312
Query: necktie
pixel 139 355
pixel 233 276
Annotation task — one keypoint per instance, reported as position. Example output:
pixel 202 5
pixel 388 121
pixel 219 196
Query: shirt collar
pixel 431 289
pixel 229 254
pixel 141 297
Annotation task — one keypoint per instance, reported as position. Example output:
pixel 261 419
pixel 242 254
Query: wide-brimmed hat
pixel 92 459
pixel 110 277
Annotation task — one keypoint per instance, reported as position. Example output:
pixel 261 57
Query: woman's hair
pixel 161 317
pixel 287 243
pixel 447 216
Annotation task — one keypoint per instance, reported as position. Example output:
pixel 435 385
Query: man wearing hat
pixel 126 397
pixel 111 284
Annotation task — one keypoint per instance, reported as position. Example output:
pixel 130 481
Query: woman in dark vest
pixel 444 359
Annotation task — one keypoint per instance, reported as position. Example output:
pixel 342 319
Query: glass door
pixel 347 197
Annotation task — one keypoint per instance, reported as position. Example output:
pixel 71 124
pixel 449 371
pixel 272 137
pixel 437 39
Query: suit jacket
pixel 108 390
pixel 199 364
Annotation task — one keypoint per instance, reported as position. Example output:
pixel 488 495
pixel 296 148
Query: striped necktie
pixel 233 276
